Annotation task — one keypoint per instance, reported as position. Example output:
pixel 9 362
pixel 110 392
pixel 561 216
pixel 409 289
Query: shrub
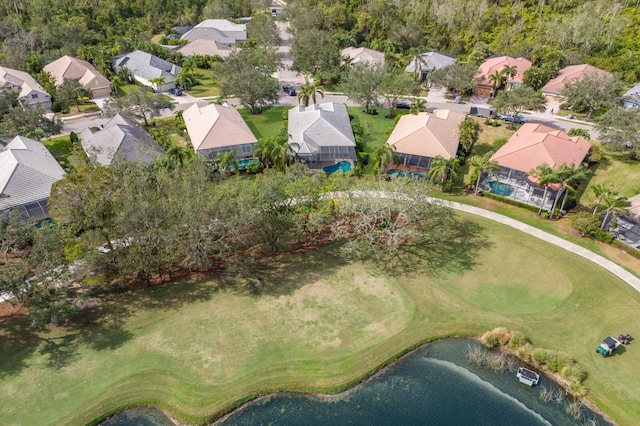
pixel 56 106
pixel 499 143
pixel 73 138
pixel 518 339
pixel 574 373
pixel 633 252
pixel 254 167
pixel 544 215
pixel 595 154
pixel 579 132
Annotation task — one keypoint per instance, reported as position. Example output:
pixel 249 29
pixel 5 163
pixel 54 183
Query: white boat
pixel 528 377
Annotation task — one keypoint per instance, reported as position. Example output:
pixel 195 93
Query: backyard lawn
pixel 61 148
pixel 207 86
pixel 197 347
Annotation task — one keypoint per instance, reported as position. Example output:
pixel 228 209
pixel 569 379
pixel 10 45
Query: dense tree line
pixel 131 223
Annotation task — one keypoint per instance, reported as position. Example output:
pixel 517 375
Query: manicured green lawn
pixel 84 109
pixel 207 86
pixel 317 323
pixel 266 124
pixel 619 171
pixel 377 128
pixel 61 148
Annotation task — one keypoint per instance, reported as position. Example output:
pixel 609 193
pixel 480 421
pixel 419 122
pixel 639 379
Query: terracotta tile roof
pixel 216 126
pixel 497 63
pixel 428 135
pixel 536 144
pixel 569 74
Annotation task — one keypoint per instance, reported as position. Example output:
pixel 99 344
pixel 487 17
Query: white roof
pixel 318 125
pixel 362 55
pixel 216 126
pixel 217 29
pixel 429 61
pixel 21 79
pixel 27 171
pixel 121 139
pixel 146 65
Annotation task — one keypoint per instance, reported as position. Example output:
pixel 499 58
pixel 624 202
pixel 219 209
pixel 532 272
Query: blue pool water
pixel 343 166
pixel 434 385
pixel 500 189
pixel 243 164
pixel 417 175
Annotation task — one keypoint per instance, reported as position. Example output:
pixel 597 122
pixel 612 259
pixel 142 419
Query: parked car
pixel 513 118
pixel 289 89
pixel 176 91
pixel 403 105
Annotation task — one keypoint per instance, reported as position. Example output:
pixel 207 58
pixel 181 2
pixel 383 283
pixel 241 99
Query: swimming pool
pixel 417 175
pixel 343 166
pixel 243 164
pixel 500 189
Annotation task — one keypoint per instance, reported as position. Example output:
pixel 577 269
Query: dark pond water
pixel 435 385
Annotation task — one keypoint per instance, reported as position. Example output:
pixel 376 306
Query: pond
pixel 433 385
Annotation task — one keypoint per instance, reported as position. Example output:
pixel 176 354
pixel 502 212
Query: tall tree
pixel 361 84
pixel 517 100
pixel 599 190
pixel 469 132
pixel 383 155
pixel 613 203
pixel 592 91
pixel 568 176
pixel 139 104
pixel 71 91
pixel 396 85
pixel 545 176
pixel 497 80
pixel 23 120
pixel 263 30
pixel 315 53
pixel 457 78
pixel 509 72
pixel 226 162
pixel 619 129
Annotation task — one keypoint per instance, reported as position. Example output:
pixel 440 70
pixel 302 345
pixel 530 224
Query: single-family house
pixel 145 68
pixel 216 128
pixel 418 139
pixel 70 68
pixel 531 146
pixel 568 75
pixel 202 47
pixel 631 99
pixel 321 133
pixel 221 30
pixel 120 139
pixel 426 63
pixel 30 92
pixel 27 171
pixel 496 64
pixel 361 56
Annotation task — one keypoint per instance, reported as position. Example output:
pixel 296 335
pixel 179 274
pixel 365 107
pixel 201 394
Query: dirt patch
pixel 7 310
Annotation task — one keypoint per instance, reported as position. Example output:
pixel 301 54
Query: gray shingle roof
pixel 121 139
pixel 27 171
pixel 146 65
pixel 320 125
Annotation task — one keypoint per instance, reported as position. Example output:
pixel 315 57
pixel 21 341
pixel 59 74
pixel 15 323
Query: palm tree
pixel 157 82
pixel 613 202
pixel 226 162
pixel 188 64
pixel 309 91
pixel 383 155
pixel 483 163
pixel 179 155
pixel 417 106
pixel 497 80
pixel 469 131
pixel 282 154
pixel 184 79
pixel 509 72
pixel 599 190
pixel 568 177
pixel 443 170
pixel 116 82
pixel 125 75
pixel 546 176
pixel 264 151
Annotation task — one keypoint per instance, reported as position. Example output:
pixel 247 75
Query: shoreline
pixel 243 403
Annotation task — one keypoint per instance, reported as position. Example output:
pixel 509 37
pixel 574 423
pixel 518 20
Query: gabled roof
pixel 121 139
pixel 220 30
pixel 23 80
pixel 74 69
pixel 319 125
pixel 362 55
pixel 428 135
pixel 206 47
pixel 146 65
pixel 568 75
pixel 497 63
pixel 429 61
pixel 536 144
pixel 634 91
pixel 27 171
pixel 216 126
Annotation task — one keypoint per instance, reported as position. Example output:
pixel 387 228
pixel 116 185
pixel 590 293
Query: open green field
pixel 619 171
pixel 318 323
pixel 206 86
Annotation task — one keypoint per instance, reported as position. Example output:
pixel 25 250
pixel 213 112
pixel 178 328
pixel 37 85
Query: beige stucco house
pixel 70 68
pixel 568 75
pixel 30 92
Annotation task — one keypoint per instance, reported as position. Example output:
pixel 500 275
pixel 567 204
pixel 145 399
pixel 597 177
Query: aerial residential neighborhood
pixel 209 205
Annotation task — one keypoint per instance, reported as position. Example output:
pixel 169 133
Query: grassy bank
pixel 199 347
